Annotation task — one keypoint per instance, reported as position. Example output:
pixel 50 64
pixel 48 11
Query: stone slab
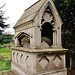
pixel 38 50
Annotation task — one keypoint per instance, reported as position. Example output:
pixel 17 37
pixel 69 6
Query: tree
pixel 7 38
pixel 2 23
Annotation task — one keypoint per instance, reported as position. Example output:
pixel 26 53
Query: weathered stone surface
pixel 27 45
pixel 43 62
pixel 37 56
pixel 44 45
pixel 57 62
pixel 36 62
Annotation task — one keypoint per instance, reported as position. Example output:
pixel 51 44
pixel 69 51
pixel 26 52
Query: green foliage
pixel 66 9
pixel 3 50
pixel 3 26
pixel 1 36
pixel 5 65
pixel 4 39
pixel 2 23
pixel 7 54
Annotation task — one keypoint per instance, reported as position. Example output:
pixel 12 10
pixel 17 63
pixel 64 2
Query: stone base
pixel 38 62
pixel 21 71
pixel 59 72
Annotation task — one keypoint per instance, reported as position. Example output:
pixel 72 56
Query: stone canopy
pixel 38 48
pixel 39 20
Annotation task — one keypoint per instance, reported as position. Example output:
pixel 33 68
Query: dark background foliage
pixel 6 38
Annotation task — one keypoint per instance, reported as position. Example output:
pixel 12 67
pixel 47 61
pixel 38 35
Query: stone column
pixel 37 35
pixel 59 37
pixel 54 38
pixel 37 31
pixel 70 63
pixel 16 42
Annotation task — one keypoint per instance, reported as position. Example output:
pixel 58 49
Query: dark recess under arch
pixel 47 31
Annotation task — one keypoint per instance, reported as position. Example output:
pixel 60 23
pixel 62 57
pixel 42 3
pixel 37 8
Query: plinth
pixel 27 61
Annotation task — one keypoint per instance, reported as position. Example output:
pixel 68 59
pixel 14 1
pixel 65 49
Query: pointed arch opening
pixel 47 33
pixel 47 22
pixel 24 40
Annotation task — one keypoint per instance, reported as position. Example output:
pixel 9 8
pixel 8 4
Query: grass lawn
pixel 7 54
pixel 0 73
pixel 4 65
pixel 3 50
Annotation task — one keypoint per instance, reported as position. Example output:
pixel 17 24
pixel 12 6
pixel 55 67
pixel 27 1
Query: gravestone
pixel 32 55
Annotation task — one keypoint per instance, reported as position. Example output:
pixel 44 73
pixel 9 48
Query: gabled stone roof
pixel 30 13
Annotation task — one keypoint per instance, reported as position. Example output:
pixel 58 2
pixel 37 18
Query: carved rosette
pixel 47 16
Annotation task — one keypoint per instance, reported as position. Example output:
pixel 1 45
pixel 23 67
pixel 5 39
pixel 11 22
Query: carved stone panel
pixel 47 62
pixel 27 61
pixel 43 62
pixel 57 61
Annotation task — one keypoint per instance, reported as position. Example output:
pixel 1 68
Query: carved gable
pixel 41 20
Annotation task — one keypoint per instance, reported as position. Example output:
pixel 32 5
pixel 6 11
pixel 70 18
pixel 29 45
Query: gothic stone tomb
pixel 38 49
